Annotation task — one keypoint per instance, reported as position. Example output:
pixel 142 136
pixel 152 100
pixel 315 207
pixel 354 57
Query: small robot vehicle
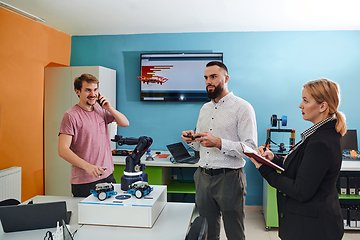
pixel 103 191
pixel 139 189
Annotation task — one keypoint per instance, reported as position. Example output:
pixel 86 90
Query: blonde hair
pixel 325 90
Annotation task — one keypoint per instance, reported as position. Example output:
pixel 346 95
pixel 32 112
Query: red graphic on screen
pixel 149 74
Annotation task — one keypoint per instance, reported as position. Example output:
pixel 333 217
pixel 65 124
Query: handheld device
pixel 104 171
pixel 191 136
pixel 98 100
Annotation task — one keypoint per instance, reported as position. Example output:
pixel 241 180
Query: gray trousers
pixel 222 195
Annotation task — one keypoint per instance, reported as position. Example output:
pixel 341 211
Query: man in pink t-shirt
pixel 84 137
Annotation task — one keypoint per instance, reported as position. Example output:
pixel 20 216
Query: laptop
pixel 180 154
pixel 32 216
pixel 66 233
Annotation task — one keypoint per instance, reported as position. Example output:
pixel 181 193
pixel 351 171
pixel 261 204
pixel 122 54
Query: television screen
pixel 175 76
pixel 349 141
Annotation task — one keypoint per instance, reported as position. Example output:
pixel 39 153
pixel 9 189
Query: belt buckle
pixel 207 170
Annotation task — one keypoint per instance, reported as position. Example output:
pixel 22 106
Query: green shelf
pixel 348 196
pixel 176 186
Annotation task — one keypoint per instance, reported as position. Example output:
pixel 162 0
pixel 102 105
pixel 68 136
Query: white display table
pixel 124 212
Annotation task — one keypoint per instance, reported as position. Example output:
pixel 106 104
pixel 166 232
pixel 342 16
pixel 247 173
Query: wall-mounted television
pixel 174 76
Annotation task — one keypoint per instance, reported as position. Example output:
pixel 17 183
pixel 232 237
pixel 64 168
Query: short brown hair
pixel 84 77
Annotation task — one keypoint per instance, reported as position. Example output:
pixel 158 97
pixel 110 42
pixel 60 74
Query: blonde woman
pixel 308 204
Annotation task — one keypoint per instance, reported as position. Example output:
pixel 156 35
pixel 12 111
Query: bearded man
pixel 223 123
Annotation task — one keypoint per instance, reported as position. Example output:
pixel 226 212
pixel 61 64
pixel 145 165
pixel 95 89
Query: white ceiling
pixel 109 17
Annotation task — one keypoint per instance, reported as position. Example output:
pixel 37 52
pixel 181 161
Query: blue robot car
pixel 103 191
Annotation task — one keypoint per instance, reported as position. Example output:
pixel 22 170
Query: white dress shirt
pixel 233 120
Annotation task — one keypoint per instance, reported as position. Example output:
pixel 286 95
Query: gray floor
pixel 255 227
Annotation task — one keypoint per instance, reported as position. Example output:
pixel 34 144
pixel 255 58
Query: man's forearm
pixel 120 118
pixel 72 158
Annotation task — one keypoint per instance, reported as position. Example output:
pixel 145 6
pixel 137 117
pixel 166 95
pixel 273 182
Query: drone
pixel 154 79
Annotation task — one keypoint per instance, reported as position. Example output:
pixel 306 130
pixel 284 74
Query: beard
pixel 216 92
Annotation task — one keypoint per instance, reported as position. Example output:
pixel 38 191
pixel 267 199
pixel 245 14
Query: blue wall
pixel 268 69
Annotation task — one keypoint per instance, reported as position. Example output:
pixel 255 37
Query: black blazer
pixel 308 203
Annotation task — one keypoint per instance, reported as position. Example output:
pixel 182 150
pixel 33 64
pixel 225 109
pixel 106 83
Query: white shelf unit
pixel 59 97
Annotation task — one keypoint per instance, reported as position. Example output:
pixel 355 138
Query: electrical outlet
pixel 173 177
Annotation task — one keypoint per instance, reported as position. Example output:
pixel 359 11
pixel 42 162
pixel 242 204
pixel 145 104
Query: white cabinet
pixel 59 97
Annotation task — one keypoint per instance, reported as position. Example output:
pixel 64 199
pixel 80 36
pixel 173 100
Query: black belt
pixel 213 172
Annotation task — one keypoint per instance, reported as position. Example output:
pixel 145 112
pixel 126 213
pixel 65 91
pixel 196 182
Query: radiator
pixel 10 183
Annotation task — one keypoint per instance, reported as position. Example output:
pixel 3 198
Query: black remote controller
pixel 191 136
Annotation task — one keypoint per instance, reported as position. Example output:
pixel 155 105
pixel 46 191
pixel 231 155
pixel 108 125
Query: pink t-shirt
pixel 90 140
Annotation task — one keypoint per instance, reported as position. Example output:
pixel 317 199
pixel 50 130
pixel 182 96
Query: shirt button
pixel 284 194
pixel 281 215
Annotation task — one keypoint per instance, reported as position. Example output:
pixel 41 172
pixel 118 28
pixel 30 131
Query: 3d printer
pixel 276 122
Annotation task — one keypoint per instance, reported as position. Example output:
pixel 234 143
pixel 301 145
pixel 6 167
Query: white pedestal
pixel 130 212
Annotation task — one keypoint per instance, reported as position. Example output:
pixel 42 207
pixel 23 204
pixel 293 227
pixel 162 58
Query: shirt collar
pixel 227 97
pixel 308 132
